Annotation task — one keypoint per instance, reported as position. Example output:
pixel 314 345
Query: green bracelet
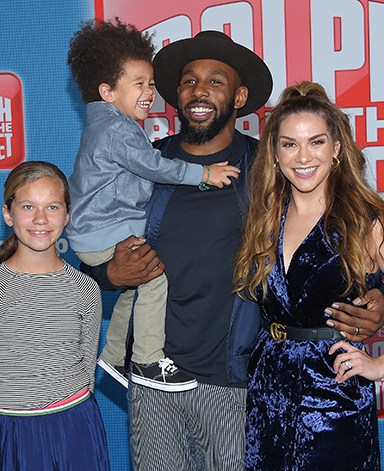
pixel 204 185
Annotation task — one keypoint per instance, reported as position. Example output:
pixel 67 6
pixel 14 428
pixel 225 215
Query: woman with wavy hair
pixel 314 234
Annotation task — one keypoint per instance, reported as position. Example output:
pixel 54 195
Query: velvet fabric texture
pixel 298 417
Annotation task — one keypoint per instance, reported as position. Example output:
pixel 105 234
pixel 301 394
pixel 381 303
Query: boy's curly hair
pixel 99 50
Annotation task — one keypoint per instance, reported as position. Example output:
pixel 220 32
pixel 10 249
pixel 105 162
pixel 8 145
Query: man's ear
pixel 106 93
pixel 241 97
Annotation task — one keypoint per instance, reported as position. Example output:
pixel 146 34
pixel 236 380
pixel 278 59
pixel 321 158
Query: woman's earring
pixel 335 161
pixel 276 167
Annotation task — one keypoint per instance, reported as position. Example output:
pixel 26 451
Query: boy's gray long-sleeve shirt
pixel 113 179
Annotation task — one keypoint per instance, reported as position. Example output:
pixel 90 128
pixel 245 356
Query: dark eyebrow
pixel 316 136
pixel 211 71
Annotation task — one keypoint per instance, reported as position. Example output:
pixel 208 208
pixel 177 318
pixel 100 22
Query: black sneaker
pixel 163 375
pixel 117 372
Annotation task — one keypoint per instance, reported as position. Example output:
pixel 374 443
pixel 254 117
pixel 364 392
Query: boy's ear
pixel 67 218
pixel 106 93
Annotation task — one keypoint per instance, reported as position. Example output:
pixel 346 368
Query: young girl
pixel 314 234
pixel 49 330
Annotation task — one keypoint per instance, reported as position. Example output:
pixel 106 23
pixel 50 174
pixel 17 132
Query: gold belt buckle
pixel 277 332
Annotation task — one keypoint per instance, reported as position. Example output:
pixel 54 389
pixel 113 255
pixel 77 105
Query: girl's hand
pixel 356 362
pixel 220 174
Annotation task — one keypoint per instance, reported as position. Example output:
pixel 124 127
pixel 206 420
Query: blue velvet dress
pixel 298 417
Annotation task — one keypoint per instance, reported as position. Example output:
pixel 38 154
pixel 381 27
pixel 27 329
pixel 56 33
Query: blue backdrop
pixel 34 42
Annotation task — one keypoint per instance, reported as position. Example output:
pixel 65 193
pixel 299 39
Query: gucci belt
pixel 281 333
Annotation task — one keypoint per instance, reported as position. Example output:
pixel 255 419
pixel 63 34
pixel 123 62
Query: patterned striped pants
pixel 197 430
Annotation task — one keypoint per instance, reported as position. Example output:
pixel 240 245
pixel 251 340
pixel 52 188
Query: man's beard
pixel 201 134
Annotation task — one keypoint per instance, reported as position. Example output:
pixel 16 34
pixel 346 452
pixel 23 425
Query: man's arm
pixel 360 320
pixel 133 263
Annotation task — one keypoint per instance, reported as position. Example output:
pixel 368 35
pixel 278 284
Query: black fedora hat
pixel 170 60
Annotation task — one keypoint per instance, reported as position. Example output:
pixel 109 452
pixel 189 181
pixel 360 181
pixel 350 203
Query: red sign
pixel 375 346
pixel 12 149
pixel 338 44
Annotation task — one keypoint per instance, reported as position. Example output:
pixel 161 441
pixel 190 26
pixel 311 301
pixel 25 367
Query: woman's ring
pixel 357 332
pixel 348 364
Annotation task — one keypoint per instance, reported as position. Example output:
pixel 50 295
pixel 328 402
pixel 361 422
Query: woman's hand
pixel 356 362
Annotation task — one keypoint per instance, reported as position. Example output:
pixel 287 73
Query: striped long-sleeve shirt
pixel 49 334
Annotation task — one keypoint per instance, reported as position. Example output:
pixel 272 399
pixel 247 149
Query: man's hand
pixel 133 263
pixel 357 323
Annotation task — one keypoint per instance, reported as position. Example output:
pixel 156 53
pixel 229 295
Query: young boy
pixel 112 181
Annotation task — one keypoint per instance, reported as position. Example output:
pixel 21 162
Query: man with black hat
pixel 210 333
pixel 211 80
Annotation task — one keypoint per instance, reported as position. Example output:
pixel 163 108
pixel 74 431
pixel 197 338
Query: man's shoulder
pixel 237 136
pixel 250 140
pixel 246 146
pixel 165 141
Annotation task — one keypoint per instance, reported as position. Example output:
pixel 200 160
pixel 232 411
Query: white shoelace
pixel 167 366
